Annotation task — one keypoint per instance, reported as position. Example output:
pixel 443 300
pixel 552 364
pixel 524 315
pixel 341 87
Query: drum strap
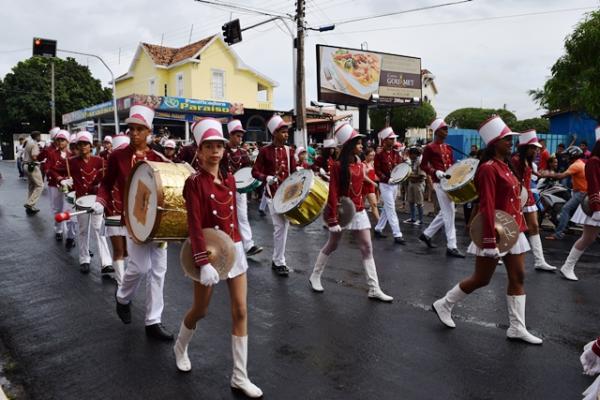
pixel 287 155
pixel 165 159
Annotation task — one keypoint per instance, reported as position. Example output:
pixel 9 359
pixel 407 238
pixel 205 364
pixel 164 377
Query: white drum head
pixel 460 173
pixel 243 178
pixel 141 202
pixel 85 202
pixel 293 191
pixel 400 173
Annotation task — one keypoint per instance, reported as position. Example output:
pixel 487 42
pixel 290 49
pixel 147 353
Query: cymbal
pixel 585 206
pixel 346 211
pixel 524 196
pixel 221 254
pixel 507 231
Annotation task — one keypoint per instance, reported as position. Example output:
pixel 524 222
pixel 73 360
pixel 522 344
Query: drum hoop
pixel 408 169
pixel 296 203
pixel 80 207
pixel 466 182
pixel 252 182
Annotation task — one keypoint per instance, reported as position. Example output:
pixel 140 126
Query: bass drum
pixel 301 198
pixel 400 173
pixel 460 187
pixel 154 206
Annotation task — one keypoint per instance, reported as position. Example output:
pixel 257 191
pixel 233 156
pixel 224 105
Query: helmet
pixel 574 152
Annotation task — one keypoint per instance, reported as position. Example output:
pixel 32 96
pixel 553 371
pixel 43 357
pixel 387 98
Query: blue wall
pixel 570 123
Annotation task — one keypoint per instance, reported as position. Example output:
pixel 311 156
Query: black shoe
pixel 123 310
pixel 427 241
pixel 400 240
pixel 58 237
pixel 84 268
pixel 281 270
pixel 69 244
pixel 253 250
pixel 454 253
pixel 107 269
pixel 31 210
pixel 159 332
pixel 379 235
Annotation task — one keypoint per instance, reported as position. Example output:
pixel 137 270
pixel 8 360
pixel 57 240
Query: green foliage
pixel 541 125
pixel 573 84
pixel 402 118
pixel 472 118
pixel 25 92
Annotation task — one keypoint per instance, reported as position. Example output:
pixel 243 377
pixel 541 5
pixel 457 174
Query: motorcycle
pixel 550 197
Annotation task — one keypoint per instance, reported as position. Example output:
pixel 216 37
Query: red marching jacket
pixel 188 154
pixel 209 205
pixel 592 176
pixel 86 174
pixel 385 161
pixel 56 166
pixel 524 172
pixel 273 161
pixel 354 191
pixel 436 157
pixel 234 159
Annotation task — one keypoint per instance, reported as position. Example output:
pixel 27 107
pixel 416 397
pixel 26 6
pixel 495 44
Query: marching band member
pixel 273 165
pixel 170 147
pixel 188 154
pixel 117 234
pixel 233 160
pixel 325 159
pixel 300 156
pixel 437 158
pixel 210 202
pixel 72 225
pixel 86 172
pixel 385 161
pixel 147 260
pixel 591 224
pixel 107 143
pixel 56 171
pixel 347 177
pixel 498 189
pixel 522 163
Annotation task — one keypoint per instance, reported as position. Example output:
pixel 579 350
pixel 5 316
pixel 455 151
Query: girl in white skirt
pixel 347 177
pixel 499 189
pixel 591 223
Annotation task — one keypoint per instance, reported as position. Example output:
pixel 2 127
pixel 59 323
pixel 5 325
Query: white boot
pixel 239 378
pixel 315 277
pixel 568 268
pixel 443 307
pixel 516 318
pixel 180 349
pixel 538 254
pixel 375 291
pixel 119 266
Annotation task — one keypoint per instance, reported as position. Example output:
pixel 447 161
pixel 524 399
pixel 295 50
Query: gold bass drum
pixel 301 198
pixel 460 187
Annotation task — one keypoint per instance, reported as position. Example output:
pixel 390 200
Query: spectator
pixel 586 152
pixel 19 157
pixel 474 151
pixel 544 155
pixel 416 187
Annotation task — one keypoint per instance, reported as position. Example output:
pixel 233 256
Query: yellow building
pixel 208 69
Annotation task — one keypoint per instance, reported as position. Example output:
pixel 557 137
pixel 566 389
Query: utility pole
pixel 300 134
pixel 53 106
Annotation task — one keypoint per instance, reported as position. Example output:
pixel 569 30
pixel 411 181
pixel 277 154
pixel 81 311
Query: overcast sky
pixel 477 58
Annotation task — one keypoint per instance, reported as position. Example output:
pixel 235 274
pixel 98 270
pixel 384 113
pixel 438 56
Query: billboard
pixel 352 76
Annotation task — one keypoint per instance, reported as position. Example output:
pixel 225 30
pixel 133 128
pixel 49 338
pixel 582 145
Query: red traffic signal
pixel 44 47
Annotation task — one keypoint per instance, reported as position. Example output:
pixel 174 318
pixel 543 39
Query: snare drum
pixel 85 203
pixel 154 206
pixel 244 181
pixel 301 197
pixel 400 173
pixel 70 197
pixel 114 220
pixel 460 187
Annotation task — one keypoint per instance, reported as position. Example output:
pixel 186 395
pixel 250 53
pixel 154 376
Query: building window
pixel 152 88
pixel 262 93
pixel 179 84
pixel 218 84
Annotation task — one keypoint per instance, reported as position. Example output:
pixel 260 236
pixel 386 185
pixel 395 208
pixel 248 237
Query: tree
pixel 472 118
pixel 573 84
pixel 402 118
pixel 25 92
pixel 541 125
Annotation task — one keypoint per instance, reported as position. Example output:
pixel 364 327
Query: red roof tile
pixel 166 56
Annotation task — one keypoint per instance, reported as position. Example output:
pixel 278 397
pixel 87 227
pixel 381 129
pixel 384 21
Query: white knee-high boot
pixel 443 307
pixel 516 318
pixel 375 291
pixel 180 349
pixel 119 266
pixel 568 268
pixel 538 254
pixel 315 277
pixel 239 378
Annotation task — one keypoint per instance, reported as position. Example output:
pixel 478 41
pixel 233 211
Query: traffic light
pixel 232 33
pixel 44 47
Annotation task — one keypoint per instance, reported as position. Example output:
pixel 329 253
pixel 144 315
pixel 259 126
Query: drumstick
pixel 64 216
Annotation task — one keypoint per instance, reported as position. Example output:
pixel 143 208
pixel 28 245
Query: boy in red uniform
pixel 56 171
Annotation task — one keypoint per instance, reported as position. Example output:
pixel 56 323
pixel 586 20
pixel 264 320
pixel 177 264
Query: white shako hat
pixel 235 125
pixel 207 129
pixel 53 132
pixel 598 133
pixel 386 133
pixel 141 115
pixel 344 133
pixel 107 139
pixel 300 149
pixel 120 140
pixel 529 137
pixel 275 123
pixel 62 134
pixel 329 144
pixel 84 136
pixel 493 129
pixel 170 144
pixel 73 138
pixel 437 124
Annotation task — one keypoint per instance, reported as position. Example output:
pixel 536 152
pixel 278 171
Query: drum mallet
pixel 65 216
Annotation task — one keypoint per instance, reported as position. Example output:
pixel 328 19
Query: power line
pixel 243 8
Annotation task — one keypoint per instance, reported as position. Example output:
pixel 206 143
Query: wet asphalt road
pixel 62 330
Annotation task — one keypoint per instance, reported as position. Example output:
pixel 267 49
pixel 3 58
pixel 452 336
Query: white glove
pixel 335 228
pixel 67 182
pixel 440 175
pixel 209 275
pixel 589 360
pixel 322 171
pixel 491 253
pixel 596 216
pixel 98 208
pixel 271 179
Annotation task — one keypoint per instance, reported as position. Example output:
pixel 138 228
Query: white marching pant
pixel 280 231
pixel 388 195
pixel 244 224
pixel 57 200
pixel 84 245
pixel 444 218
pixel 145 260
